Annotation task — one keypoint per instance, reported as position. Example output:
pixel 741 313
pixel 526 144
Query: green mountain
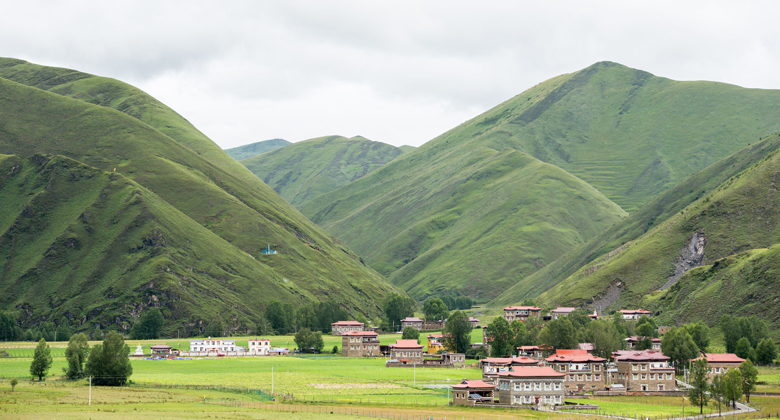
pixel 310 168
pixel 730 234
pixel 248 150
pixel 656 211
pixel 464 217
pixel 116 128
pixel 406 148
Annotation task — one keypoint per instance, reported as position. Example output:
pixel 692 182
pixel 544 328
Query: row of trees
pixel 108 363
pixel 725 388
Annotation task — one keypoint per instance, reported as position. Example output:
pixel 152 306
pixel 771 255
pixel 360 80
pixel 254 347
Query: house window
pixel 644 366
pixel 634 367
pixel 579 378
pixel 644 376
pixel 537 386
pixel 528 399
pixel 516 400
pixel 587 377
pixel 652 376
pixel 634 376
pixel 517 386
pixel 571 377
pixel 597 368
pixel 547 386
pixel 527 386
pixel 669 376
pixel 597 377
pixel 557 399
pixel 557 386
pixel 660 387
pixel 717 370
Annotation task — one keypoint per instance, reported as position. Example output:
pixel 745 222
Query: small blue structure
pixel 268 250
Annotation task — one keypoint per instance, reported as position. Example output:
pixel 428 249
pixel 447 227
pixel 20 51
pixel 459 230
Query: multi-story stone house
pixel 537 385
pixel 633 314
pixel 512 313
pixel 340 327
pixel 413 322
pixel 561 311
pixel 492 366
pixel 407 352
pixel 720 363
pixel 631 342
pixel 258 347
pixel 359 344
pixel 645 370
pixel 584 372
pixel 472 392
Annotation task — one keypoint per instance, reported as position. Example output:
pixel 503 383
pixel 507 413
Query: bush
pixel 411 333
pixel 335 349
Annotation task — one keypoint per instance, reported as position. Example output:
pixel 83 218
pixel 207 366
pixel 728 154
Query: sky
pixel 399 72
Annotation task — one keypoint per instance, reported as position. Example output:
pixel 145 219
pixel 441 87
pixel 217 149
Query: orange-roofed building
pixel 492 366
pixel 645 370
pixel 584 371
pixel 435 343
pixel 526 385
pixel 407 352
pixel 720 363
pixel 359 344
pixel 472 392
pixel 512 313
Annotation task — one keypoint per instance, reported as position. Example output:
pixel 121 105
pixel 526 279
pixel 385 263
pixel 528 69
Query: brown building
pixel 631 342
pixel 407 352
pixel 492 366
pixel 584 371
pixel 162 350
pixel 472 392
pixel 474 322
pixel 645 370
pixel 534 352
pixel 561 311
pixel 537 385
pixel 359 344
pixel 412 322
pixel 720 363
pixel 512 313
pixel 340 327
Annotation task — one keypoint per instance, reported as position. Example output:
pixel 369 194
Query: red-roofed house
pixel 526 385
pixel 645 370
pixel 531 351
pixel 633 314
pixel 359 344
pixel 720 363
pixel 512 313
pixel 340 327
pixel 492 366
pixel 472 392
pixel 584 371
pixel 631 342
pixel 561 311
pixel 407 352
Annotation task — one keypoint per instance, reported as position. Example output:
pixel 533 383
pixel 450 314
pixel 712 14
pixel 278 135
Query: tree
pixel 699 393
pixel 521 337
pixel 717 390
pixel 559 334
pixel 309 341
pixel 734 328
pixel 645 334
pixel 292 318
pixel 109 362
pixel 742 349
pixel 274 313
pixel 63 330
pixel 410 333
pixel 501 338
pixel 41 360
pixel 435 309
pixel 14 382
pixel 534 326
pixel 732 386
pixel 215 328
pixel 76 354
pixel 678 345
pixel 749 377
pixel 463 302
pixel 605 338
pixel 620 325
pixel 700 334
pixel 7 327
pixel 456 336
pixel 396 308
pixel 149 326
pixel 766 352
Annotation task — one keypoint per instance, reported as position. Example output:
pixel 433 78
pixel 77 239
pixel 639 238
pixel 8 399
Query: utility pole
pixel 272 381
pixel 90 391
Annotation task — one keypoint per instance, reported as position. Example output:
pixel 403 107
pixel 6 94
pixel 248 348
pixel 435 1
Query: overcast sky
pixel 393 71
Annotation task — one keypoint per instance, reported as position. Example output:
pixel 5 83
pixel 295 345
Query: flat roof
pixel 522 308
pixel 348 323
pixel 473 384
pixel 638 356
pixel 532 372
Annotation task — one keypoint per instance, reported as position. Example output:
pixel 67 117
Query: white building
pixel 211 345
pixel 258 347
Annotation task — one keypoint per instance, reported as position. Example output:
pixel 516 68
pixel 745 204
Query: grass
pixel 308 169
pixel 189 186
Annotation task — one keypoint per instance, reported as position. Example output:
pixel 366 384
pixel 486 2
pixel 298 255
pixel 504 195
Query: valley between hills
pixel 604 188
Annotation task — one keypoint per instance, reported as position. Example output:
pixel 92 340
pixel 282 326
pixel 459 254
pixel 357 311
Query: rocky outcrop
pixel 692 255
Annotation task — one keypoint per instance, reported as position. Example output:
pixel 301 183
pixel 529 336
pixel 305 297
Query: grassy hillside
pixel 310 168
pixel 740 215
pixel 99 248
pixel 248 150
pixel 468 218
pixel 656 211
pixel 190 173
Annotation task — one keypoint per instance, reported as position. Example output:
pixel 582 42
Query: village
pixel 534 377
